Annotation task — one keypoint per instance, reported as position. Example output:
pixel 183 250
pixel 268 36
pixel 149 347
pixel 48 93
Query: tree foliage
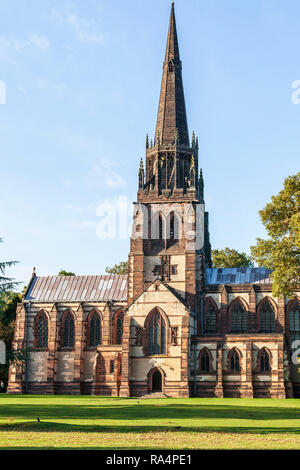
pixel 65 273
pixel 281 251
pixel 121 268
pixel 230 258
pixel 6 283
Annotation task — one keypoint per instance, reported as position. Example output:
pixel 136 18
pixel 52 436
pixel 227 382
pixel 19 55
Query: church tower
pixel 170 239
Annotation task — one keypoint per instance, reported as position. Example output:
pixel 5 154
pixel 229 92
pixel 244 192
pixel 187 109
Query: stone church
pixel 174 325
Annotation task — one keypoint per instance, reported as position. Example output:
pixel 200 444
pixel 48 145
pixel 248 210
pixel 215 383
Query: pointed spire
pixel 171 110
pixel 172 49
pixel 147 141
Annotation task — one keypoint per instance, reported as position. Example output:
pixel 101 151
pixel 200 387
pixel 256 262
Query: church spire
pixel 171 111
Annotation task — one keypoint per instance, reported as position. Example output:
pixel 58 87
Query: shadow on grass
pixel 34 426
pixel 145 411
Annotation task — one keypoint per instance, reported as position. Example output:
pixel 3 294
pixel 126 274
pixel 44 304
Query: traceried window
pixel 204 360
pixel 266 317
pixel 157 334
pixel 264 361
pixel 172 226
pixel 119 327
pixel 294 322
pixel 210 326
pixel 234 361
pixel 238 318
pixel 160 227
pixel 95 330
pixel 41 329
pixel 69 330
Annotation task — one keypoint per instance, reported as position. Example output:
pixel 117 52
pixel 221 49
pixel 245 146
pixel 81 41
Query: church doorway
pixel 156 381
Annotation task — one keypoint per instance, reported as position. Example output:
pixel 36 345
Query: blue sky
pixel 82 86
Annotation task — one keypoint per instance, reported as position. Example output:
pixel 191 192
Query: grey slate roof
pixel 237 276
pixel 77 288
pixel 114 287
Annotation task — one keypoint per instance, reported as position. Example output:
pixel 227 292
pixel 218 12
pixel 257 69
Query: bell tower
pixel 170 238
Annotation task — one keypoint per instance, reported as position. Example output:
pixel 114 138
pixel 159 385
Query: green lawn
pixel 112 423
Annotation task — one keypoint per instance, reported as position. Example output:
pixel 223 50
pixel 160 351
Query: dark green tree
pixel 65 273
pixel 121 268
pixel 230 258
pixel 281 251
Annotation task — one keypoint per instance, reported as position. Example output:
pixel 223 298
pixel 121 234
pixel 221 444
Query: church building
pixel 174 326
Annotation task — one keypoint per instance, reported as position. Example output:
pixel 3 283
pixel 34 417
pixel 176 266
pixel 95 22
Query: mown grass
pixel 76 422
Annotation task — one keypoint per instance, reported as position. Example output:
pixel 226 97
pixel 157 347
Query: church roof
pixel 237 276
pixel 77 288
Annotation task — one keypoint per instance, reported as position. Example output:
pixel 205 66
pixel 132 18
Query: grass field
pixel 112 423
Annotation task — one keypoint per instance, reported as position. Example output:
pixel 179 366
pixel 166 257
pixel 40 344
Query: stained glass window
pixel 119 329
pixel 234 361
pixel 95 330
pixel 238 318
pixel 160 227
pixel 266 317
pixel 42 332
pixel 157 335
pixel 69 330
pixel 204 361
pixel 294 320
pixel 264 361
pixel 210 319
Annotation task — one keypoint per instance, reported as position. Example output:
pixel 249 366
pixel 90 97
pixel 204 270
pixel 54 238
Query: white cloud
pixel 39 41
pixel 83 224
pixel 105 172
pixel 82 27
pixel 33 41
pixel 50 87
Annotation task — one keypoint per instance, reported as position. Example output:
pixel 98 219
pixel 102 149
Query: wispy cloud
pixel 83 224
pixel 106 173
pixel 40 42
pixel 83 28
pixel 50 87
pixel 19 45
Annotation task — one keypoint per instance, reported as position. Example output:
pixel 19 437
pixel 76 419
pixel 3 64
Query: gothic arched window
pixel 119 328
pixel 234 361
pixel 118 322
pixel 264 361
pixel 68 325
pixel 41 330
pixel 156 334
pixel 94 330
pixel 160 227
pixel 294 321
pixel 210 318
pixel 238 318
pixel 172 226
pixel 266 317
pixel 204 360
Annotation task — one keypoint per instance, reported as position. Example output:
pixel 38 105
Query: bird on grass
pixel 38 420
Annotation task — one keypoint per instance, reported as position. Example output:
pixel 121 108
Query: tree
pixel 8 306
pixel 6 283
pixel 65 273
pixel 230 258
pixel 121 268
pixel 281 251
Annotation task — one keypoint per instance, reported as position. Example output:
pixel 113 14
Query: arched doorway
pixel 156 381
